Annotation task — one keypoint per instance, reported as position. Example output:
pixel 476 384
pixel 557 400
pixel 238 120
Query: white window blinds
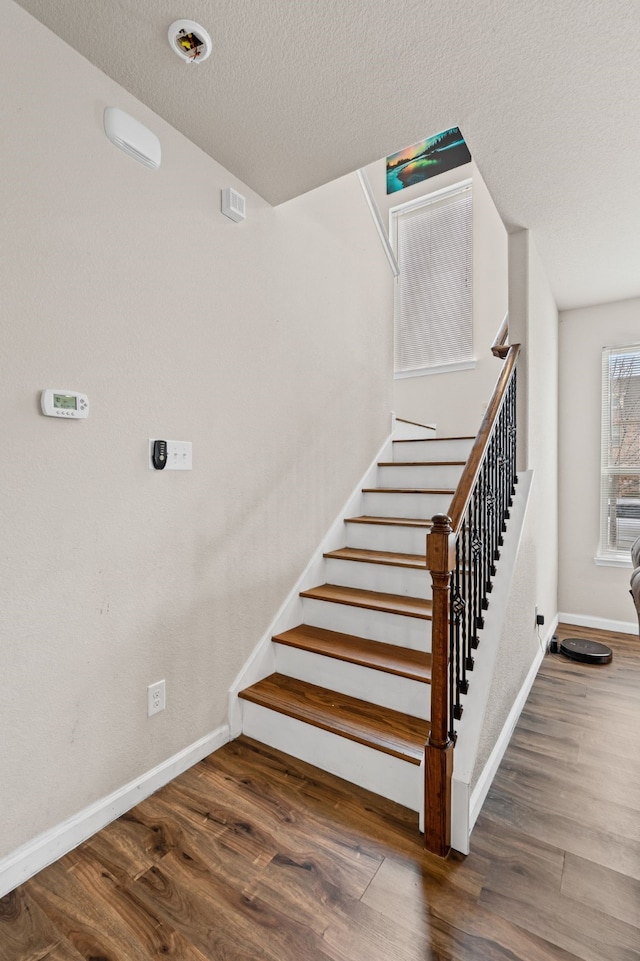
pixel 434 292
pixel 620 476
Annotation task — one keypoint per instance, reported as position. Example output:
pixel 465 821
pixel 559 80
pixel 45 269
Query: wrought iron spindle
pixel 456 628
pixel 468 579
pixel 477 565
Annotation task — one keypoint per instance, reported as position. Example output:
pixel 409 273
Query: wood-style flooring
pixel 253 856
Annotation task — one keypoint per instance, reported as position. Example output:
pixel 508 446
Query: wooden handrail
pixel 471 470
pixel 414 423
pixel 441 561
pixel 500 346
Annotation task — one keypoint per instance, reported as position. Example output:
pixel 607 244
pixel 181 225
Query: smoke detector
pixel 190 41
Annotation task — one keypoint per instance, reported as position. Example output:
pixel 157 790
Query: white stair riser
pixel 443 449
pixel 378 577
pixel 388 776
pixel 384 537
pixel 412 632
pixel 378 687
pixel 438 475
pixel 422 506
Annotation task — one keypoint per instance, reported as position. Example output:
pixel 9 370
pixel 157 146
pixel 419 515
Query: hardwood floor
pixel 253 856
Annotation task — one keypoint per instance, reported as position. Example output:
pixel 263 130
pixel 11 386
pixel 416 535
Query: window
pixel 620 477
pixel 434 293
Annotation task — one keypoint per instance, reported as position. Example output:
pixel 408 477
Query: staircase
pixel 351 691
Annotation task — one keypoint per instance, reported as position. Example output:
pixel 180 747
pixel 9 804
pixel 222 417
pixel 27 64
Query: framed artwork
pixel 428 158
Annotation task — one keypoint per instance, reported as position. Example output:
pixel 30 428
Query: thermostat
pixel 64 403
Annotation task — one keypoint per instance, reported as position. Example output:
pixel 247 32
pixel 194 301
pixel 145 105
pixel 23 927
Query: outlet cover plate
pixel 156 698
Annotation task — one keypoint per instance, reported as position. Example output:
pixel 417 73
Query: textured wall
pixel 585 588
pixel 534 322
pixel 267 344
pixel 456 401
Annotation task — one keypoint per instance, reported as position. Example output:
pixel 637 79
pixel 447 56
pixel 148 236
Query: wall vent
pixel 233 204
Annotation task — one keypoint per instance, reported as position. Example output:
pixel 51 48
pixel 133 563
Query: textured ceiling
pixel 299 92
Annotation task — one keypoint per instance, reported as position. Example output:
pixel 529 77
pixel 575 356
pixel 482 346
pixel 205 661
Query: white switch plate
pixel 179 454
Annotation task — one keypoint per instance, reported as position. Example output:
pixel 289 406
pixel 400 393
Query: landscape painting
pixel 428 158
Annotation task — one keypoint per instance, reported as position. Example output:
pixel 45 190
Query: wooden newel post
pixel 438 765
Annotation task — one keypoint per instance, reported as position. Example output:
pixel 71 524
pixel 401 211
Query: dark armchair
pixel 635 577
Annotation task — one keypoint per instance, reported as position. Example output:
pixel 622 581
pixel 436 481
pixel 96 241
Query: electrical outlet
pixel 539 618
pixel 156 698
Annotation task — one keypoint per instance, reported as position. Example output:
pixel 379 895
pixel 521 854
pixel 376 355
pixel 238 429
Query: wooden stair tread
pixel 400 735
pixel 390 558
pixel 408 490
pixel 390 521
pixel 372 600
pixel 359 650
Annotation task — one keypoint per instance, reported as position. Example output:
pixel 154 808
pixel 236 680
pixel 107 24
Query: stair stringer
pixel 465 802
pixel 262 660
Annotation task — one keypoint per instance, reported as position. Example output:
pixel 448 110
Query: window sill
pixel 613 560
pixel 440 369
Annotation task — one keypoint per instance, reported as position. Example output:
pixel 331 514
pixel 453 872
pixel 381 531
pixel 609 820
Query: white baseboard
pixel 47 847
pixel 599 623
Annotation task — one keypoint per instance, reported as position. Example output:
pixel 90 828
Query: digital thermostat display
pixel 64 403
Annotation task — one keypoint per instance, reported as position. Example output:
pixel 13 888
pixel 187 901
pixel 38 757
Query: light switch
pixel 179 454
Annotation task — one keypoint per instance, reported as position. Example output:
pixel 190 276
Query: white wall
pixel 266 344
pixel 533 318
pixel 456 401
pixel 588 591
pixel 541 361
pixel 533 322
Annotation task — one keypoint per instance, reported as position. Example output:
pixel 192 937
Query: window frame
pixel 606 555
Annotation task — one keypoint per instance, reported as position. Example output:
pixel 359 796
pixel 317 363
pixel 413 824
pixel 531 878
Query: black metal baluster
pixel 501 473
pixel 496 520
pixel 452 680
pixel 514 432
pixel 457 606
pixel 513 392
pixel 477 563
pixel 463 684
pixel 504 446
pixel 468 578
pixel 486 543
